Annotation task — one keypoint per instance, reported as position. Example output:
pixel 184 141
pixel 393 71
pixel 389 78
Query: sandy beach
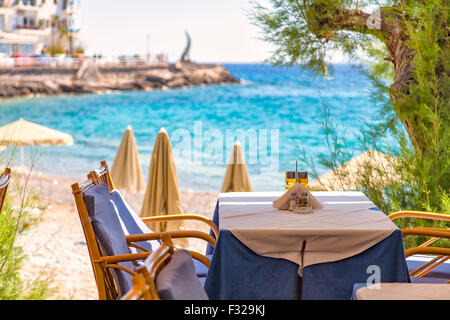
pixel 55 245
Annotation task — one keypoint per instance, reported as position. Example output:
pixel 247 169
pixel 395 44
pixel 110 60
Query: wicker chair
pixel 135 225
pixel 102 175
pixel 139 291
pixel 103 232
pixel 438 256
pixel 168 274
pixel 4 182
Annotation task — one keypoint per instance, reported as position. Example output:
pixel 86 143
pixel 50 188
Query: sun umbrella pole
pixel 22 160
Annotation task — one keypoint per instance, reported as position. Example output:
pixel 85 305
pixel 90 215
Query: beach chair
pixel 133 224
pixel 426 263
pixel 167 274
pixel 109 248
pixel 4 182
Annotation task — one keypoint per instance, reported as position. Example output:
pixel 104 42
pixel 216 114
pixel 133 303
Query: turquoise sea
pixel 272 112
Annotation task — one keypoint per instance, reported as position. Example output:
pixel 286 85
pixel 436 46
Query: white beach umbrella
pixel 126 170
pixel 236 177
pixel 25 133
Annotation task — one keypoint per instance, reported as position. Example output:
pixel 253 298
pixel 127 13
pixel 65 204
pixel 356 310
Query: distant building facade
pixel 34 26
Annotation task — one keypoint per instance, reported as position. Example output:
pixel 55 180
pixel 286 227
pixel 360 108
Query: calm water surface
pixel 271 104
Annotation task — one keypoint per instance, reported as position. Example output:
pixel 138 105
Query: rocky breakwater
pixel 91 78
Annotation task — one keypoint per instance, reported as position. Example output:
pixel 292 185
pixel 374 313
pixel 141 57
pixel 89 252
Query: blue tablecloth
pixel 236 272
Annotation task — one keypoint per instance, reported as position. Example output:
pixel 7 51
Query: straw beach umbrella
pixel 126 170
pixel 345 177
pixel 25 133
pixel 236 176
pixel 162 196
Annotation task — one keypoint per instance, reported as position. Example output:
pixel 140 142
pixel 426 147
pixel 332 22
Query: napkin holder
pixel 283 203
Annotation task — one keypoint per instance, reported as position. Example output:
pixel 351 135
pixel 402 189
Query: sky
pixel 220 30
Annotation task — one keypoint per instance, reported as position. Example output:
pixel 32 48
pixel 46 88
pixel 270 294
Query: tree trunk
pixel 389 27
pixel 402 57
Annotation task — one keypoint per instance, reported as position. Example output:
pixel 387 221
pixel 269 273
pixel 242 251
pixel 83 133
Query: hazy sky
pixel 220 29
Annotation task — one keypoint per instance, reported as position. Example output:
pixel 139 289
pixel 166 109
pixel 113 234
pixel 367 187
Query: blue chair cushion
pixel 200 269
pixel 178 281
pixel 108 231
pixel 427 280
pixel 202 281
pixel 132 222
pixel 134 225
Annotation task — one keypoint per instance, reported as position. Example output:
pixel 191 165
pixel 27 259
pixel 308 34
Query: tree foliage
pixel 406 50
pixel 14 220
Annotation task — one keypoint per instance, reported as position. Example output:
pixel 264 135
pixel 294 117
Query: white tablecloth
pixel 345 226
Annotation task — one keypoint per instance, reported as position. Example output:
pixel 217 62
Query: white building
pixel 32 26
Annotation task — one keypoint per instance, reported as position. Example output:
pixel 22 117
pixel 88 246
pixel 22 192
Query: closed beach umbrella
pixel 126 171
pixel 162 196
pixel 346 176
pixel 25 133
pixel 236 177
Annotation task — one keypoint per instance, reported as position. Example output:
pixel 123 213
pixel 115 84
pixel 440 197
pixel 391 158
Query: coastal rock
pixel 73 89
pixel 179 81
pixel 15 82
pixel 161 76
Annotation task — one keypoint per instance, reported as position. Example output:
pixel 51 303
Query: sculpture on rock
pixel 185 55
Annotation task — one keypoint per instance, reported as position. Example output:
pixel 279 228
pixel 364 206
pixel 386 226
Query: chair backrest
pixel 131 221
pixel 134 225
pixel 170 274
pixel 108 231
pixel 441 254
pixel 102 175
pixel 104 237
pixel 4 182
